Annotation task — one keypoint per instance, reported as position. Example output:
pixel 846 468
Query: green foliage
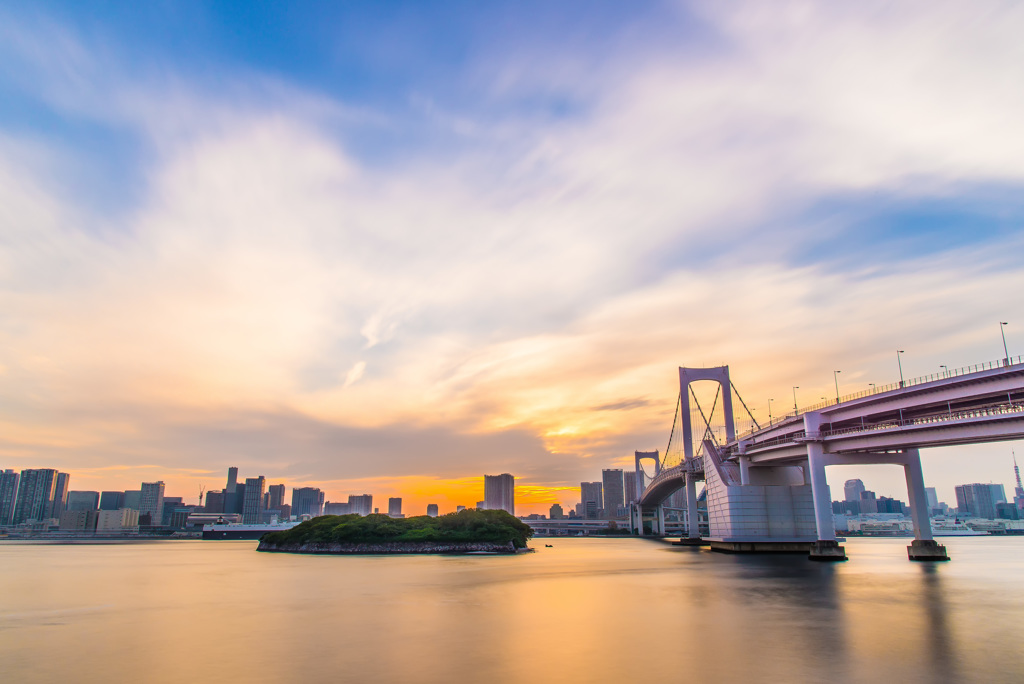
pixel 470 525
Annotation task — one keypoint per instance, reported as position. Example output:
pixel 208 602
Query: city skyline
pixel 385 249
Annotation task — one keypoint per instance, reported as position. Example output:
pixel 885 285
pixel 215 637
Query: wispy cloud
pixel 522 294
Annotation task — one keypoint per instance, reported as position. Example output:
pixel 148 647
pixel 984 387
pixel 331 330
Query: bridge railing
pixel 944 417
pixel 920 380
pixel 979 412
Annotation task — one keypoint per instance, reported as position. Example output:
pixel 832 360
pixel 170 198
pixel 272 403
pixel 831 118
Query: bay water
pixel 584 610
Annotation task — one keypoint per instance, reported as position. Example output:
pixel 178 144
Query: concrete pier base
pixel 827 550
pixel 686 541
pixel 926 550
pixel 758 546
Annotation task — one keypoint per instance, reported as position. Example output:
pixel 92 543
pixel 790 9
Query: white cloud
pixel 541 270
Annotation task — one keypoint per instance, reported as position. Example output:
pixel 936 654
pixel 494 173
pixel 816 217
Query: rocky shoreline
pixel 388 547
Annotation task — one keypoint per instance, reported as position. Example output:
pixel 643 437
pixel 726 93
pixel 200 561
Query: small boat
pixel 548 546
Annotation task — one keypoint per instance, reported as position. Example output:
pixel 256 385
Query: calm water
pixel 609 610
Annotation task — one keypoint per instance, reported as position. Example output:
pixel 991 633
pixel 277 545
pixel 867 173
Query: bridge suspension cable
pixel 756 424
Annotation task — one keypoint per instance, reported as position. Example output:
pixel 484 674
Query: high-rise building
pixel 275 497
pixel 481 505
pixel 556 513
pixel 8 495
pixel 214 501
pixel 307 501
pixel 337 508
pixel 252 505
pixel 459 509
pixel 853 489
pixel 979 500
pixel 83 501
pixel 395 507
pixel 868 502
pixel 933 498
pixel 36 488
pixel 629 486
pixel 60 495
pixel 133 499
pixel 232 484
pixel 361 504
pixel 500 493
pixel 117 521
pixel 611 480
pixel 151 503
pixel 590 492
pixel 111 501
pixel 432 510
pixel 1018 491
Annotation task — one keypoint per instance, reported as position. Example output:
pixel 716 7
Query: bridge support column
pixel 692 521
pixel 744 470
pixel 661 521
pixel 924 547
pixel 826 548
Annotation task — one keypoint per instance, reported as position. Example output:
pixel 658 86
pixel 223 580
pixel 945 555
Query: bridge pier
pixel 826 548
pixel 692 521
pixel 924 547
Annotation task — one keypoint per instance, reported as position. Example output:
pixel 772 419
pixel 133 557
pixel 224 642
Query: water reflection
pixel 584 610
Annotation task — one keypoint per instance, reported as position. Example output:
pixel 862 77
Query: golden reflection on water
pixel 586 610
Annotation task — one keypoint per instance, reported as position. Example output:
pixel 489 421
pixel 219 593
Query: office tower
pixel 500 493
pixel 232 480
pixel 629 489
pixel 171 504
pixel 360 504
pixel 60 495
pixel 214 502
pixel 117 521
pixel 459 509
pixel 481 505
pixel 432 510
pixel 590 493
pixel 252 504
pixel 307 501
pixel 556 512
pixel 979 500
pixel 83 501
pixel 337 508
pixel 868 502
pixel 151 503
pixel 111 501
pixel 853 489
pixel 8 495
pixel 933 498
pixel 395 507
pixel 78 521
pixel 133 499
pixel 275 497
pixel 35 495
pixel 611 480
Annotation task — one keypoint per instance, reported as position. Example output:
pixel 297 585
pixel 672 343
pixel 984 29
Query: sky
pixel 391 247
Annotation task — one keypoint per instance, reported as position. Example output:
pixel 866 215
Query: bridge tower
pixel 694 471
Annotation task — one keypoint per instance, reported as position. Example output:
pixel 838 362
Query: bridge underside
pixel 766 491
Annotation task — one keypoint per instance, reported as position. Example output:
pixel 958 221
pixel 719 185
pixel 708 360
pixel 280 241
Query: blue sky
pixel 351 243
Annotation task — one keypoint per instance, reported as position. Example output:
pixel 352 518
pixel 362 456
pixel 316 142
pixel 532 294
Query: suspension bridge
pixel 765 487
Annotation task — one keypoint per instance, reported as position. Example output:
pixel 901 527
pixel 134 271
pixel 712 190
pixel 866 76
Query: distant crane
pixel 202 488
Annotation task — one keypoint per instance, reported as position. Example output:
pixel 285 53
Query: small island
pixel 468 531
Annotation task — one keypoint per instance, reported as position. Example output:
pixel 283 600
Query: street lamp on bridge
pixel 770 412
pixel 945 371
pixel 1006 359
pixel 898 352
pixel 795 409
pixel 835 376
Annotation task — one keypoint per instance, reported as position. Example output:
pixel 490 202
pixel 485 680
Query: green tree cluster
pixel 470 525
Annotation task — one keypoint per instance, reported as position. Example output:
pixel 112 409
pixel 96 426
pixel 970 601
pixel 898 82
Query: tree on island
pixel 470 525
